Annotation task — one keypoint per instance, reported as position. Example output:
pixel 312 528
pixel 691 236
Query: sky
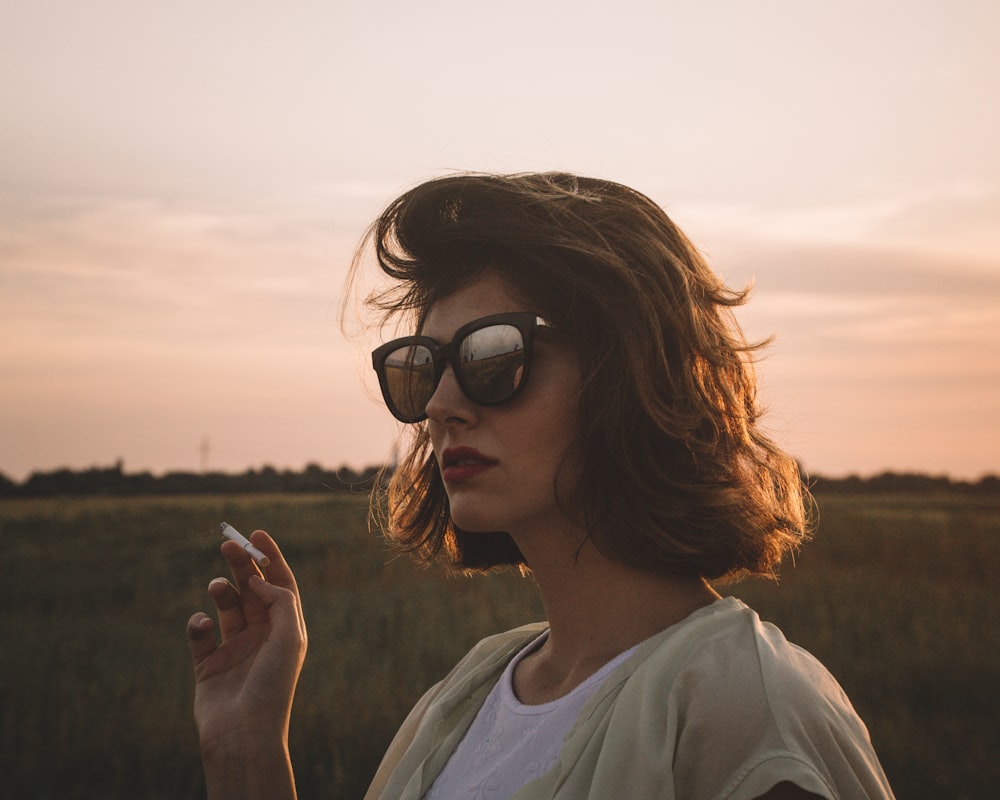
pixel 183 184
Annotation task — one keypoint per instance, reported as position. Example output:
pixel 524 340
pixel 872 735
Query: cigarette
pixel 231 533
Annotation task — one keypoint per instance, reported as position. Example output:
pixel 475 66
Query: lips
pixel 463 463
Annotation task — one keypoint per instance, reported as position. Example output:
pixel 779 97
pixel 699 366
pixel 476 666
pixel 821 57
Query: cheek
pixel 551 435
pixel 563 439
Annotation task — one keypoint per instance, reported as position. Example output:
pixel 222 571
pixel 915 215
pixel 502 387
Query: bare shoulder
pixel 788 791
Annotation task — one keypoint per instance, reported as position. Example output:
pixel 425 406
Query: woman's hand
pixel 245 683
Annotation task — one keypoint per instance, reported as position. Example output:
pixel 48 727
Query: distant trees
pixel 315 478
pixel 905 482
pixel 115 481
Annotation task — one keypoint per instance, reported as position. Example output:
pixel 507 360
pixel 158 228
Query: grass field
pixel 897 596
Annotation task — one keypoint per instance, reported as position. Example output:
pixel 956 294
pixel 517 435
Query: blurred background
pixel 182 186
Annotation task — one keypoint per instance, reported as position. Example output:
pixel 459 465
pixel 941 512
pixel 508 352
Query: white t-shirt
pixel 510 743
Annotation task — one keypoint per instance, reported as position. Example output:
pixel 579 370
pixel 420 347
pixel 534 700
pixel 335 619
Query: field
pixel 897 596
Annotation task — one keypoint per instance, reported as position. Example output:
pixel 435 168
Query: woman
pixel 585 409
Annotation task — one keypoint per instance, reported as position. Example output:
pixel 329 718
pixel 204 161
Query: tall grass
pixel 896 596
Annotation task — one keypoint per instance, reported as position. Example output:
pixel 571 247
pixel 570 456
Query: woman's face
pixel 499 463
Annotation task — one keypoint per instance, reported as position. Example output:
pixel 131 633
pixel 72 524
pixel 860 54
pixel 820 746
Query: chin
pixel 475 524
pixel 473 520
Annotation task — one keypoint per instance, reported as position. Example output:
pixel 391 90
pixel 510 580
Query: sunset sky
pixel 182 185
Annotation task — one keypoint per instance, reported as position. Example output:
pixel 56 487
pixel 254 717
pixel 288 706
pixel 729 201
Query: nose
pixel 448 404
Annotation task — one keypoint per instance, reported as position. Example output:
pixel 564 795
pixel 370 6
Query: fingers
pixel 249 599
pixel 242 568
pixel 228 606
pixel 285 613
pixel 237 605
pixel 200 637
pixel 278 572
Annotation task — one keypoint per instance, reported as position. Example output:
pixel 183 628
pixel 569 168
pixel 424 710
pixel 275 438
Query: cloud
pixel 107 269
pixel 956 219
pixel 133 327
pixel 875 303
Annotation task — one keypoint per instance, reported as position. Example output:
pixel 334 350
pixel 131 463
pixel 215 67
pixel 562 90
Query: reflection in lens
pixel 492 363
pixel 409 372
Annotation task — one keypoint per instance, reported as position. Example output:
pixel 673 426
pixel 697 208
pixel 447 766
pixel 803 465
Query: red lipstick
pixel 463 463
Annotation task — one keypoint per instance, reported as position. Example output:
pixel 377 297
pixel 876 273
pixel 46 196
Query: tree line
pixel 906 482
pixel 115 481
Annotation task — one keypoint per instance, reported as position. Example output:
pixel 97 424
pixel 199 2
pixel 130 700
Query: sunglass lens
pixel 492 363
pixel 409 373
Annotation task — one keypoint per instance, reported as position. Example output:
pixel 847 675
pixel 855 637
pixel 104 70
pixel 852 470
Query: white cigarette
pixel 231 533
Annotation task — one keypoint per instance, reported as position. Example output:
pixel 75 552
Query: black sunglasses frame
pixel 526 322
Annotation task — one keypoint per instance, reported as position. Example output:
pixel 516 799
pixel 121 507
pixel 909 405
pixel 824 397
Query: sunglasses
pixel 491 358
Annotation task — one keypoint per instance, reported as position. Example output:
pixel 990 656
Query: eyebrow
pixel 422 330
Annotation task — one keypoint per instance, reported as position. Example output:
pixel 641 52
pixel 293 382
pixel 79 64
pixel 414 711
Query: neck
pixel 597 608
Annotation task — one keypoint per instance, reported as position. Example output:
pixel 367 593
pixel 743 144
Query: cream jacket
pixel 719 706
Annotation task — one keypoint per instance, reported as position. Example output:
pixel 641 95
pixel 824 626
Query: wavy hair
pixel 675 474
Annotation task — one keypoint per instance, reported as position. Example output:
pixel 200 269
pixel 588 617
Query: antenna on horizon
pixel 204 449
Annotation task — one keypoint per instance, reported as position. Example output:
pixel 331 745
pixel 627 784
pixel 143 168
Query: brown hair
pixel 676 475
